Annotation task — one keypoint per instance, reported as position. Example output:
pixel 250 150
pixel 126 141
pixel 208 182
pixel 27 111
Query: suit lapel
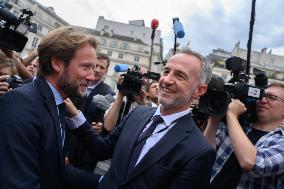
pixel 135 127
pixel 51 106
pixel 173 137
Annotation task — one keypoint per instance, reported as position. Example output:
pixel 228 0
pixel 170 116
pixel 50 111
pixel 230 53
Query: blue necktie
pixel 157 119
pixel 62 115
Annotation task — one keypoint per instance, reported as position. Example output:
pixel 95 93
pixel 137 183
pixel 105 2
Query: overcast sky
pixel 208 24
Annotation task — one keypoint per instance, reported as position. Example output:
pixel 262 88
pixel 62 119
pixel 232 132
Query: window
pixel 106 27
pixel 113 44
pixel 109 53
pixel 120 55
pixel 39 27
pixel 103 42
pixel 124 45
pixel 136 59
pixel 35 42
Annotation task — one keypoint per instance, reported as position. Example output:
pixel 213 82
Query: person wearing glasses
pixel 250 156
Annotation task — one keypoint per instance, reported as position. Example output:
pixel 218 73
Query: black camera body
pixel 218 96
pixel 132 81
pixel 14 81
pixel 13 29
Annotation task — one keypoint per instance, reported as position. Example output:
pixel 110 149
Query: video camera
pixel 13 29
pixel 215 101
pixel 132 81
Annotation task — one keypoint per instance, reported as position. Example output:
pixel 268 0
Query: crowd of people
pixel 54 135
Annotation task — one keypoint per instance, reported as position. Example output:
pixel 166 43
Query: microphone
pixel 103 102
pixel 154 26
pixel 121 67
pixel 178 28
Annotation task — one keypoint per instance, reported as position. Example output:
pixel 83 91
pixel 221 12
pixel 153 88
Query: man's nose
pixel 168 79
pixel 90 76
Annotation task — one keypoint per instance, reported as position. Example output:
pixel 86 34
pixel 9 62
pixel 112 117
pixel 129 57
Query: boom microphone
pixel 121 67
pixel 178 28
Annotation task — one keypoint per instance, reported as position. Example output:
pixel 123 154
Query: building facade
pixel 128 44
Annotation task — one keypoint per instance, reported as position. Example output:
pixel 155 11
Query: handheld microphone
pixel 178 28
pixel 121 67
pixel 103 102
pixel 154 24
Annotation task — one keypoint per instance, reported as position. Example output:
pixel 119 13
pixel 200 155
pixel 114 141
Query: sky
pixel 208 24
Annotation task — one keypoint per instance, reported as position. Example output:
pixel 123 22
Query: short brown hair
pixel 103 56
pixel 62 44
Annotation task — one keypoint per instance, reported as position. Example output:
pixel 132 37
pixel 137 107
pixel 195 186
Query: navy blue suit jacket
pixel 181 159
pixel 31 155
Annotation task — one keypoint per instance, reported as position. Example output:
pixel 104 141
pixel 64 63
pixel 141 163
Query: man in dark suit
pixel 161 148
pixel 33 135
pixel 97 87
pixel 78 154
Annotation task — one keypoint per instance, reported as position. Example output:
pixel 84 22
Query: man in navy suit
pixel 78 154
pixel 33 135
pixel 161 148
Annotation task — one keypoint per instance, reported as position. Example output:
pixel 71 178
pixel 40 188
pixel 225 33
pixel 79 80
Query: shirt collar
pixel 57 96
pixel 169 119
pixel 94 85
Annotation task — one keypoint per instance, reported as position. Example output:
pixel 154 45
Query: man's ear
pixel 201 90
pixel 57 64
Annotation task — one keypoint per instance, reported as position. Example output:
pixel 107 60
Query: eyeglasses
pixel 271 97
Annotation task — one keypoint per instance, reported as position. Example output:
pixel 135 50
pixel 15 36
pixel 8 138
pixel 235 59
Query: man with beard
pixel 33 136
pixel 78 155
pixel 161 147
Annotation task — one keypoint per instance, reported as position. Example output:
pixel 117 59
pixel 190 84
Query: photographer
pixel 249 155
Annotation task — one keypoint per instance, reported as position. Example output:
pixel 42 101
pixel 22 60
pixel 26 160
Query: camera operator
pixel 249 155
pixel 118 108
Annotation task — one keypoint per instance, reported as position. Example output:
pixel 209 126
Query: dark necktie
pixel 142 140
pixel 62 115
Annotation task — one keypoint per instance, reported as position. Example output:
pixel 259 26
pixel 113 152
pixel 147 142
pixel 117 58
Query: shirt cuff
pixel 76 121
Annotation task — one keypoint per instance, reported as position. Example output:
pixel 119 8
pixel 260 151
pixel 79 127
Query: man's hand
pixel 98 127
pixel 236 108
pixel 4 86
pixel 71 110
pixel 141 98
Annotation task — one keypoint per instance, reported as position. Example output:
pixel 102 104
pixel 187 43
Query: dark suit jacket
pixel 31 155
pixel 181 159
